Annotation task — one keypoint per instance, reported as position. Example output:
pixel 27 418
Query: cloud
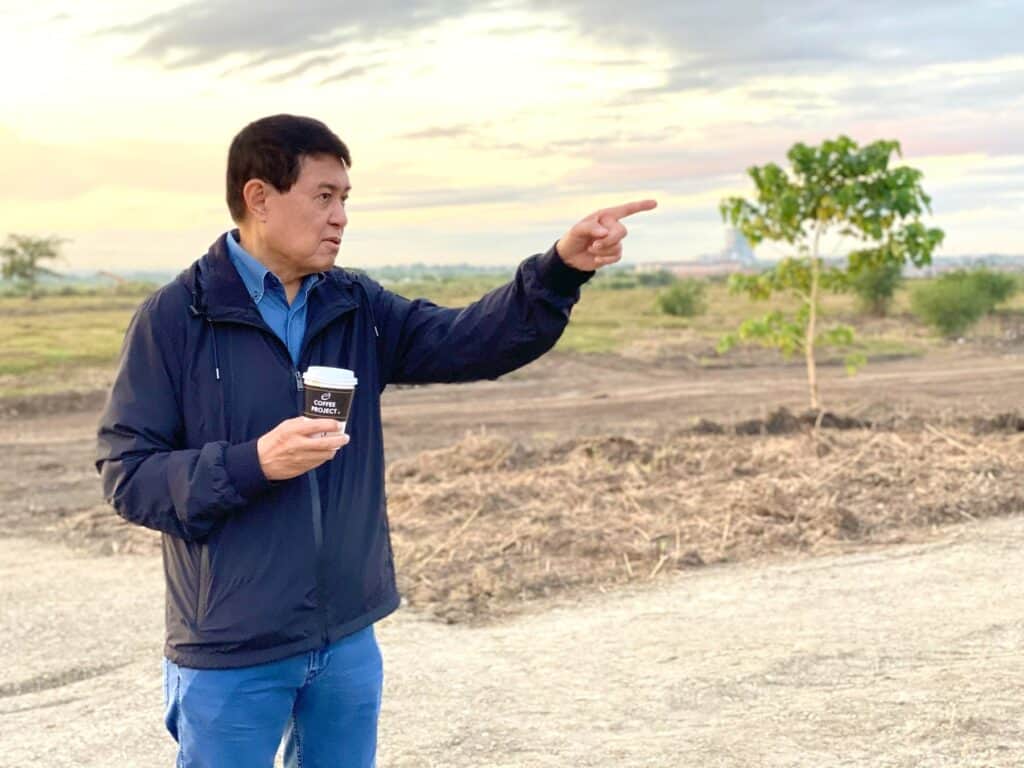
pixel 717 46
pixel 202 31
pixel 966 194
pixel 648 163
pixel 936 93
pixel 737 40
pixel 347 74
pixel 311 62
pixel 441 132
pixel 443 198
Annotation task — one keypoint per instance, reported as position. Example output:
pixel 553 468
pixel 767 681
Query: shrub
pixel 615 281
pixel 684 298
pixel 628 279
pixel 957 300
pixel 875 286
pixel 997 286
pixel 659 278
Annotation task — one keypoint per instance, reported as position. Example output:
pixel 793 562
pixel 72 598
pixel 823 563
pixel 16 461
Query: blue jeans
pixel 325 703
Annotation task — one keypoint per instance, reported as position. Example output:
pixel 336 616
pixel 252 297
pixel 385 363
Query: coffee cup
pixel 328 393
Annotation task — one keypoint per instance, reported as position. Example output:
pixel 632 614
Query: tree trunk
pixel 812 322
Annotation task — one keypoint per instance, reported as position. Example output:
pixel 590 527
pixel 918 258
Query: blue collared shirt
pixel 287 321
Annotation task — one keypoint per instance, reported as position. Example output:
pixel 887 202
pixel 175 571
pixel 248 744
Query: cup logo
pixel 325 403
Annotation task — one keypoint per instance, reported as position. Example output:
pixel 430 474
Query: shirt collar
pixel 254 273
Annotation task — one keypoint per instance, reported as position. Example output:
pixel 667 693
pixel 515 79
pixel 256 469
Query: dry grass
pixel 487 526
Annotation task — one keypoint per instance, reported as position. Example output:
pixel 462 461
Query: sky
pixel 480 131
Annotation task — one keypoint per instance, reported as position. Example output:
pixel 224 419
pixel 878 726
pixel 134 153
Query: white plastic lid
pixel 325 376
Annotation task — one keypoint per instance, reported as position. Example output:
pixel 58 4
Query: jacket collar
pixel 219 293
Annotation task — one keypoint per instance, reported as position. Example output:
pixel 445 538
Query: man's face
pixel 304 225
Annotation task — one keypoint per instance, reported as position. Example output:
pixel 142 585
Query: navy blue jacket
pixel 258 570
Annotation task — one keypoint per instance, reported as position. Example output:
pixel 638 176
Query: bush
pixel 998 286
pixel 957 300
pixel 628 279
pixel 684 298
pixel 614 281
pixel 875 286
pixel 659 278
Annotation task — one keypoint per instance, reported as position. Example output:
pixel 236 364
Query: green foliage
pixel 950 307
pixel 774 329
pixel 66 340
pixel 957 300
pixel 791 275
pixel 622 279
pixel 837 188
pixel 22 257
pixel 684 298
pixel 876 285
pixel 844 186
pixel 997 287
pixel 656 279
pixel 787 333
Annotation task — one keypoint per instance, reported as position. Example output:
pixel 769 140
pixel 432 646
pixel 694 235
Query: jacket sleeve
pixel 504 330
pixel 149 476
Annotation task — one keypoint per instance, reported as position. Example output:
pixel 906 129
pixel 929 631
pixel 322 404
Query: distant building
pixel 736 249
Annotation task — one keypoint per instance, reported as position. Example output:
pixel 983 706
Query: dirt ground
pixel 907 656
pixel 901 655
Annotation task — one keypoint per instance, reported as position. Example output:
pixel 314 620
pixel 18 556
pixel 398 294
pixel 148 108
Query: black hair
pixel 272 149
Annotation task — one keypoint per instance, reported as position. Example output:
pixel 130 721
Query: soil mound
pixel 611 448
pixel 783 422
pixel 1003 422
pixel 476 454
pixel 494 525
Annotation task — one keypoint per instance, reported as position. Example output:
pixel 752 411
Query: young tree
pixel 22 256
pixel 837 188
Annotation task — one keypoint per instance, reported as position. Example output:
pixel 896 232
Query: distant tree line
pixel 23 260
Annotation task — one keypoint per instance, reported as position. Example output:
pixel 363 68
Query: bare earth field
pixel 634 563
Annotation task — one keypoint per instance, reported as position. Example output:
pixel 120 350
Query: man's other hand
pixel 298 445
pixel 596 241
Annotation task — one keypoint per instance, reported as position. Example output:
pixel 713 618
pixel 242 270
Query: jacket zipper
pixel 318 529
pixel 318 524
pixel 314 485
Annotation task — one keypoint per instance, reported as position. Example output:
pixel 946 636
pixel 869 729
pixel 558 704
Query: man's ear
pixel 255 195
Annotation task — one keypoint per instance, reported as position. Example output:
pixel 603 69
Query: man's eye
pixel 324 196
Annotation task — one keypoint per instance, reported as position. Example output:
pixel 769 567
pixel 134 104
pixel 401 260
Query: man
pixel 275 542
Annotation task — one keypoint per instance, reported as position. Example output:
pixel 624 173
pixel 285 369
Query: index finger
pixel 628 209
pixel 308 426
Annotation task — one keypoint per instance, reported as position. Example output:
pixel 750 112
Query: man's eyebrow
pixel 334 187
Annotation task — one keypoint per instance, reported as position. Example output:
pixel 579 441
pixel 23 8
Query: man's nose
pixel 339 218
